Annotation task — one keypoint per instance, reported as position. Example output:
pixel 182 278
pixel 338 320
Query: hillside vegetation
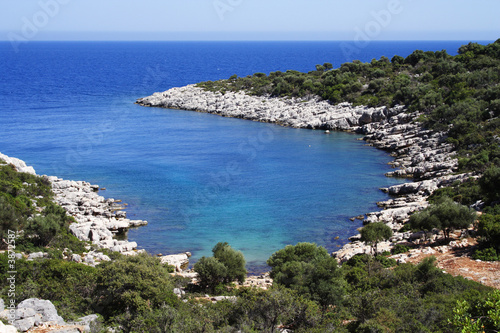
pixel 459 94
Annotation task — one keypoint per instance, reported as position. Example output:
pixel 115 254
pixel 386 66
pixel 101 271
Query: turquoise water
pixel 67 109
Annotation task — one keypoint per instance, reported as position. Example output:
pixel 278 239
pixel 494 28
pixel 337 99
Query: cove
pixel 257 186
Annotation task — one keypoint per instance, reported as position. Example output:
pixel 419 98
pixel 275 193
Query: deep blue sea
pixel 67 108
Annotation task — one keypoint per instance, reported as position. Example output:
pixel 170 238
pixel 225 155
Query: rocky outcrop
pixel 179 261
pixel 298 113
pixel 18 164
pixel 97 219
pixel 39 315
pixel 419 153
pixel 33 312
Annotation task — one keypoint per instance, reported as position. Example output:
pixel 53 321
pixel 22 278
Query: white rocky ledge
pixel 293 112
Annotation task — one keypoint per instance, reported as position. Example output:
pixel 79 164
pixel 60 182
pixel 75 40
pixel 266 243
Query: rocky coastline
pixel 419 154
pixel 97 219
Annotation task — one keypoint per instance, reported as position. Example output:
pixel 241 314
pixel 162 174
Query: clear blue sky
pixel 249 19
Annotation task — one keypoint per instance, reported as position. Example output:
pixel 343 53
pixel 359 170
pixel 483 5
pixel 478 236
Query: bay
pixel 67 108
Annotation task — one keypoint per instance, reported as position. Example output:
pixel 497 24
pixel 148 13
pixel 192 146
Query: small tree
pixel 211 272
pixel 490 183
pixel 309 270
pixel 446 215
pixel 226 266
pixel 133 285
pixel 373 233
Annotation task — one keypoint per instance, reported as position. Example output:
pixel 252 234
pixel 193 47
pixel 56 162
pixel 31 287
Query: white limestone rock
pixel 179 261
pixel 18 164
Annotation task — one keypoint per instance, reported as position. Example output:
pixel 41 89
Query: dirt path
pixel 458 262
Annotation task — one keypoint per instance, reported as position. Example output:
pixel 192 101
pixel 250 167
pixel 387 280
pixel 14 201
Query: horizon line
pixel 247 40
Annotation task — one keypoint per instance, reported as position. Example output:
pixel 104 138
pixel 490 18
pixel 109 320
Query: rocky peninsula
pixel 419 154
pixel 98 219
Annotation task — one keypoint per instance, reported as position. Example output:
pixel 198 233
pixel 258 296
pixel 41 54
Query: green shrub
pixel 233 260
pixel 227 265
pixel 386 262
pixel 477 317
pixel 447 216
pixel 490 183
pixel 309 270
pixel 42 229
pixel 399 248
pixel 487 254
pixel 132 284
pixel 489 229
pixel 211 272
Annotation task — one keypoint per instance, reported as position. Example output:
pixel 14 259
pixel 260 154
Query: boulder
pixel 43 307
pixel 35 255
pixel 179 261
pixel 76 257
pixel 7 328
pixel 24 324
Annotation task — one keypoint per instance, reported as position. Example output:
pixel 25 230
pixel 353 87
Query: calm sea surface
pixel 67 108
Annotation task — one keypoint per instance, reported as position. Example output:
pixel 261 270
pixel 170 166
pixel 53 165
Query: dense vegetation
pixel 311 293
pixel 135 294
pixel 26 208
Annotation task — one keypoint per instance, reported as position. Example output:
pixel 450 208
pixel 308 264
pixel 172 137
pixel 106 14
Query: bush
pixel 399 248
pixel 489 229
pixel 211 272
pixel 42 229
pixel 488 254
pixel 233 260
pixel 447 216
pixel 490 183
pixel 132 284
pixel 309 270
pixel 264 310
pixel 227 265
pixel 483 316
